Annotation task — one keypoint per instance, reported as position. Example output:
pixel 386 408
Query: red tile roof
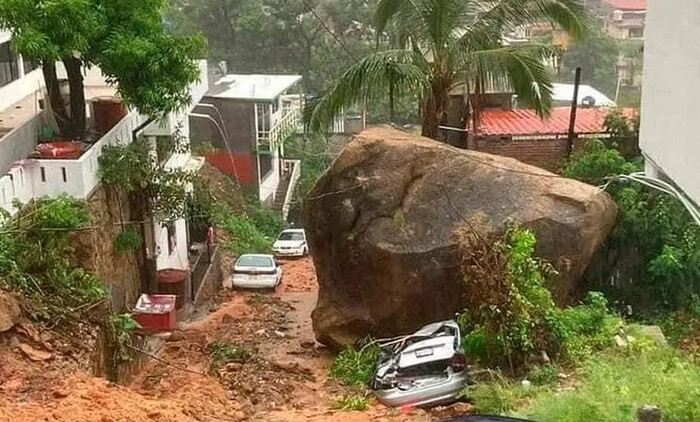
pixel 628 4
pixel 526 122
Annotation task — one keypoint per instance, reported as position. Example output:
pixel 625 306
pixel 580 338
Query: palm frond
pixel 368 78
pixel 524 69
pixel 386 10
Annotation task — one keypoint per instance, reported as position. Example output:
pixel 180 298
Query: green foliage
pixel 477 54
pixel 267 221
pixel 151 69
pixel 351 402
pixel 159 190
pixel 655 225
pixel 596 162
pixel 316 157
pixel 124 328
pixel 34 260
pixel 511 313
pixel 617 384
pixel 221 354
pixel 544 375
pixel 597 56
pixel 253 230
pixel 127 241
pixel 355 367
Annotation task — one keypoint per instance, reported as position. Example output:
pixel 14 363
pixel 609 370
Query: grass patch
pixel 612 386
pixel 351 402
pixel 355 367
pixel 545 375
pixel 221 354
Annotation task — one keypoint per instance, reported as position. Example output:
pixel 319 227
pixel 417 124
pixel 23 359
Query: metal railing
pixel 294 178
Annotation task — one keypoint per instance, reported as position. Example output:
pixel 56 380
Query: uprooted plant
pixel 34 260
pixel 511 314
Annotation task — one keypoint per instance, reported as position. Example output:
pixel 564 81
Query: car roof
pixel 256 255
pixel 293 231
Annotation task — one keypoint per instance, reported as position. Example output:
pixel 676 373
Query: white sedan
pixel 257 272
pixel 291 242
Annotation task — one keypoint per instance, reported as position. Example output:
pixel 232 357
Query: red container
pixel 60 150
pixel 156 313
pixel 173 282
pixel 107 112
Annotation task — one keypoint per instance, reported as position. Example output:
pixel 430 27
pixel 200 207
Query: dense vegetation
pixel 35 252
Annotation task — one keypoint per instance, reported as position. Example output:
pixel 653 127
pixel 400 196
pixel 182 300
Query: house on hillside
pixel 27 172
pixel 524 135
pixel 246 119
pixel 669 123
pixel 624 19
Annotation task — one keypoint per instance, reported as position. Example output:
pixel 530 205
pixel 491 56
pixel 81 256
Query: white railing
pixel 289 195
pixel 20 142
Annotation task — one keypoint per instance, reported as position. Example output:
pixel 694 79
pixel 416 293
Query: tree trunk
pixel 77 98
pixel 434 108
pixel 392 110
pixel 58 107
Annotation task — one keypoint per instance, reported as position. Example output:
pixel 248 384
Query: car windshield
pixel 295 236
pixel 255 261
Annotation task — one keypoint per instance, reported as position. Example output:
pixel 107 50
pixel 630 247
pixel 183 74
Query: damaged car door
pixel 424 369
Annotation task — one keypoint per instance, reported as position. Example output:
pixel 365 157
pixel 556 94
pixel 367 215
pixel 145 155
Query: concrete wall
pixel 19 143
pixel 670 128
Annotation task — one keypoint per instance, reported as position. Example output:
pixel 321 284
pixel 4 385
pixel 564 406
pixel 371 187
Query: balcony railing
pixel 283 128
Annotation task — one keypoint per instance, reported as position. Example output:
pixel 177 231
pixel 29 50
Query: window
pixel 30 65
pixel 9 71
pixel 172 237
pixel 275 105
pixel 636 32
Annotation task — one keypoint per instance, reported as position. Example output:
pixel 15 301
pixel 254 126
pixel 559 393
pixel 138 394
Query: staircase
pixel 278 205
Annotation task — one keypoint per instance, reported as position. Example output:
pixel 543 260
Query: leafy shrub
pixel 617 384
pixel 351 402
pixel 655 226
pixel 244 235
pixel 221 354
pixel 34 259
pixel 511 313
pixel 355 367
pixel 544 375
pixel 499 397
pixel 127 241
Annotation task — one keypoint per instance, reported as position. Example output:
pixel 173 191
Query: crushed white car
pixel 253 271
pixel 424 369
pixel 291 243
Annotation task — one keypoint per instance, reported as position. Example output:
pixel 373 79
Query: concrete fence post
pixel 649 413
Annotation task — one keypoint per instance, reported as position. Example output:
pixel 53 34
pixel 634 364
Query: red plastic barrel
pixel 173 282
pixel 60 150
pixel 107 112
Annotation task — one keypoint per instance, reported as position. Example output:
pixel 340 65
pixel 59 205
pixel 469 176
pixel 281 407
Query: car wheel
pixel 305 252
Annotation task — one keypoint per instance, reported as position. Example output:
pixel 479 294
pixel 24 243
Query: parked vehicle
pixel 292 243
pixel 253 271
pixel 426 368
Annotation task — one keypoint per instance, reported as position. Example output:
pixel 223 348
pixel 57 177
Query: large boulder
pixel 381 225
pixel 9 311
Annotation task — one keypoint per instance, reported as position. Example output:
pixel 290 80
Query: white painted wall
pixel 670 127
pixel 178 259
pixel 269 185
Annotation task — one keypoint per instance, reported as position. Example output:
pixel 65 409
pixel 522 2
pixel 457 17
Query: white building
pixel 670 126
pixel 23 179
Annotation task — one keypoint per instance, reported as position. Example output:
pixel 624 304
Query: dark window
pixel 9 71
pixel 30 65
pixel 275 105
pixel 265 166
pixel 636 32
pixel 172 238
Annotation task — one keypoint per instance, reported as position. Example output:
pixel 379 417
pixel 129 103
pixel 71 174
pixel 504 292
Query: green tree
pixel 125 38
pixel 451 42
pixel 597 58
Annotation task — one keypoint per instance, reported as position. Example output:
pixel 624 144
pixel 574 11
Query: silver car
pixel 424 369
pixel 257 272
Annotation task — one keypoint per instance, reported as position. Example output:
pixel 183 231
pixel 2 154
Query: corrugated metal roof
pixel 526 122
pixel 628 4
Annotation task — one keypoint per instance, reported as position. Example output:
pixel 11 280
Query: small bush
pixel 499 397
pixel 128 241
pixel 355 367
pixel 351 402
pixel 544 375
pixel 221 354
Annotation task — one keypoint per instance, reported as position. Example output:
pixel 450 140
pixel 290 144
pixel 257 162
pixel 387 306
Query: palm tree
pixel 446 43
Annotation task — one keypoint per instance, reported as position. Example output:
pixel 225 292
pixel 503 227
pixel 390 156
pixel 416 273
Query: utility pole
pixel 572 119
